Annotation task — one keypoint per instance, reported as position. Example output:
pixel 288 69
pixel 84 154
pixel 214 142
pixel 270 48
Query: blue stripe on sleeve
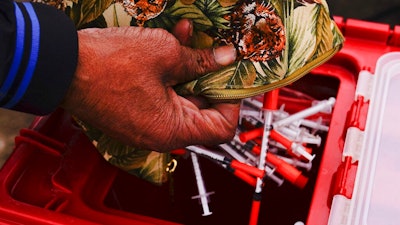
pixel 19 47
pixel 33 58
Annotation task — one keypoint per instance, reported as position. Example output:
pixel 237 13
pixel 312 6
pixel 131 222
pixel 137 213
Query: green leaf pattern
pixel 243 76
pixel 302 35
pixel 86 11
pixel 180 10
pixel 148 165
pixel 116 16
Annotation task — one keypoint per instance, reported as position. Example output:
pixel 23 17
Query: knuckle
pixel 205 61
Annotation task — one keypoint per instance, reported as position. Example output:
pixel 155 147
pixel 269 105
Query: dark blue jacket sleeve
pixel 38 56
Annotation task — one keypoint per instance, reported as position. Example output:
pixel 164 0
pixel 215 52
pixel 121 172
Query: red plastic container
pixel 55 176
pixel 365 43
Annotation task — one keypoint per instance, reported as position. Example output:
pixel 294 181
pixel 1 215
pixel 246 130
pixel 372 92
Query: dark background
pixel 382 11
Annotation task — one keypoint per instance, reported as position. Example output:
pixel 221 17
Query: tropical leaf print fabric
pixel 278 41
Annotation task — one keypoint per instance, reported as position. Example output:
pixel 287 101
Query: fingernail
pixel 225 55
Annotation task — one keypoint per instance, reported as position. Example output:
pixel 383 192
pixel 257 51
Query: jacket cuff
pixel 49 59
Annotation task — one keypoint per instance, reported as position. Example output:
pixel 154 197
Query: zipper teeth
pixel 231 94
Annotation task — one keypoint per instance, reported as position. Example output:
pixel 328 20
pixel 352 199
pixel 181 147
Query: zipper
pixel 236 94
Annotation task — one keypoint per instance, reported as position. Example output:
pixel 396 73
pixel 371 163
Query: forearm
pixel 38 56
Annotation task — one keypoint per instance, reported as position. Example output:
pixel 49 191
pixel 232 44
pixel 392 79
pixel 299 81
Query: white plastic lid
pixel 376 196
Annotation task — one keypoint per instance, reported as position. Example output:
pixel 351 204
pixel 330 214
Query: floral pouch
pixel 278 42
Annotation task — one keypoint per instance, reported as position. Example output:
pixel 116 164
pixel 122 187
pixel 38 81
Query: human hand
pixel 124 86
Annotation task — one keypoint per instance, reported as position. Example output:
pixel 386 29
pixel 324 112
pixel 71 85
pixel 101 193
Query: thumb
pixel 224 55
pixel 194 63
